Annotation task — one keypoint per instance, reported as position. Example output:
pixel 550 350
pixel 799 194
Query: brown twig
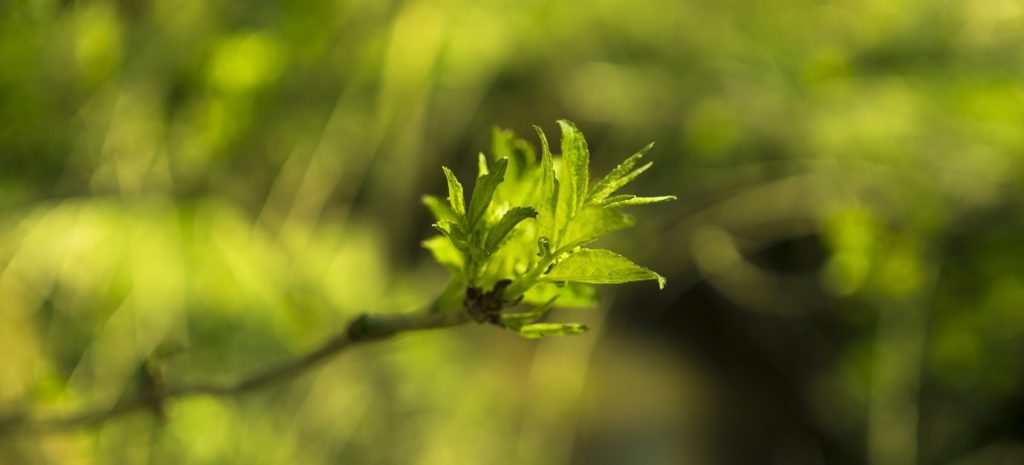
pixel 362 329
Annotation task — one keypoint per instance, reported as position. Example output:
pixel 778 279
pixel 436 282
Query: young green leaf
pixel 543 247
pixel 483 192
pixel 505 144
pixel 455 196
pixel 547 197
pixel 447 228
pixel 505 225
pixel 598 266
pixel 619 183
pixel 539 330
pixel 610 183
pixel 453 232
pixel 572 191
pixel 481 164
pixel 570 295
pixel 592 223
pixel 575 163
pixel 631 200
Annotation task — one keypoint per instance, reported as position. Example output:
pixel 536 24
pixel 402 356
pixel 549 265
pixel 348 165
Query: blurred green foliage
pixel 216 184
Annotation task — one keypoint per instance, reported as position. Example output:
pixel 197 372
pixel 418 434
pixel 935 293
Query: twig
pixel 362 329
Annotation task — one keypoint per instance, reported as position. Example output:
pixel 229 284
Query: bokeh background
pixel 214 185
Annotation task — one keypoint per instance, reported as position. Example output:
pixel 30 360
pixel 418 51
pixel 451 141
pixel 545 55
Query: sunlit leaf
pixel 453 232
pixel 441 210
pixel 483 192
pixel 521 155
pixel 542 259
pixel 481 164
pixel 547 199
pixel 445 252
pixel 570 295
pixel 613 181
pixel 592 223
pixel 573 181
pixel 455 195
pixel 504 226
pixel 575 163
pixel 598 266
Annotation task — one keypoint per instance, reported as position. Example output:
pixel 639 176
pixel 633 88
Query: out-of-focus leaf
pixel 481 165
pixel 598 266
pixel 445 253
pixel 521 155
pixel 441 210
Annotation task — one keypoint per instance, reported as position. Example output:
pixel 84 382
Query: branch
pixel 362 329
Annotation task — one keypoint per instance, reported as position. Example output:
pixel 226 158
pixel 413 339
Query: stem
pixel 362 329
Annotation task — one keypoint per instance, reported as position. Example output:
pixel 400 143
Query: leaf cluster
pixel 524 233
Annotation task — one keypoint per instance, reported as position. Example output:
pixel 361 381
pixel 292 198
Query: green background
pixel 213 185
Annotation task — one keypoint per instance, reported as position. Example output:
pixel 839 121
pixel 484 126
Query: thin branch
pixel 362 329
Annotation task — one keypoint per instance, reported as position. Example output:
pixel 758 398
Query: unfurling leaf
pixel 598 266
pixel 505 225
pixel 481 164
pixel 455 195
pixel 572 184
pixel 594 222
pixel 483 193
pixel 547 198
pixel 539 330
pixel 575 163
pixel 543 247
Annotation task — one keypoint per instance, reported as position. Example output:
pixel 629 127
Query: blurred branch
pixel 362 329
